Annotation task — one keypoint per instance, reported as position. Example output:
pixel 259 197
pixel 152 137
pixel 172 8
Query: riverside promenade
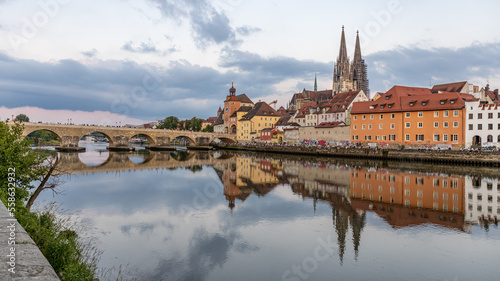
pixel 446 157
pixel 21 259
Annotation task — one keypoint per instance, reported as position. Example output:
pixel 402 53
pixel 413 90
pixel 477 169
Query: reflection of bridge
pixel 70 135
pixel 120 161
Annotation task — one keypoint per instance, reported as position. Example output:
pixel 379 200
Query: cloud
pixel 90 53
pixel 413 66
pixel 143 47
pixel 209 25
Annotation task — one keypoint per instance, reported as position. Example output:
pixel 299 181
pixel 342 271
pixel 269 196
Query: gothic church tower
pixel 346 75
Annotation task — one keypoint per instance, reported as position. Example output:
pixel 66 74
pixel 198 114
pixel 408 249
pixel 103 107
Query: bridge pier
pixel 202 143
pixel 162 143
pixel 70 144
pixel 120 143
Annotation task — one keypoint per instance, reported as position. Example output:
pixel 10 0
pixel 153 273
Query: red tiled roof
pixel 211 120
pixel 260 109
pixel 450 87
pixel 329 124
pixel 390 101
pixel 232 98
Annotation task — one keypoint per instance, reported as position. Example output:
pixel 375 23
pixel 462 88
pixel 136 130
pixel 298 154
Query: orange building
pixel 413 117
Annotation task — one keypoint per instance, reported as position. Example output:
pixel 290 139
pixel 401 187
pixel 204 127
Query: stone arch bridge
pixel 70 135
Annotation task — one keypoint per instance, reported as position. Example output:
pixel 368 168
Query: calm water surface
pixel 219 216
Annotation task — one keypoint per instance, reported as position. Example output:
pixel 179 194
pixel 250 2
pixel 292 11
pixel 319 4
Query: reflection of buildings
pixel 482 200
pixel 405 199
pixel 246 175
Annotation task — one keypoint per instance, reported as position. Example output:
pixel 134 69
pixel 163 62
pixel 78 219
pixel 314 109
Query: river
pixel 244 216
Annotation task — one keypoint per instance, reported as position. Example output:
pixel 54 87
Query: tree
pixel 19 166
pixel 208 128
pixel 22 118
pixel 195 124
pixel 170 123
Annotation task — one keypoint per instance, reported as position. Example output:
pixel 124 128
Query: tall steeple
pixel 357 50
pixel 343 49
pixel 315 83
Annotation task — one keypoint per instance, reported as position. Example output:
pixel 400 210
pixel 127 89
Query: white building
pixel 482 124
pixel 482 199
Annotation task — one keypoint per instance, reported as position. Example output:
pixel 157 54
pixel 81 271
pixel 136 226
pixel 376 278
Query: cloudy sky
pixel 135 61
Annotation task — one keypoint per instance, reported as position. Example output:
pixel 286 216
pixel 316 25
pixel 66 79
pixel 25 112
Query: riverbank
pixel 447 157
pixel 21 258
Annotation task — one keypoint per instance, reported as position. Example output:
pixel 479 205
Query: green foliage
pixel 62 247
pixel 19 164
pixel 170 123
pixel 195 124
pixel 22 118
pixel 208 128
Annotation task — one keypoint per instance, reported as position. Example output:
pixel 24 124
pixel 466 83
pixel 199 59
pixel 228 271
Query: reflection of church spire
pixel 357 224
pixel 341 227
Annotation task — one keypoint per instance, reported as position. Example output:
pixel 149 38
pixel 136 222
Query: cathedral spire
pixel 315 83
pixel 357 50
pixel 343 49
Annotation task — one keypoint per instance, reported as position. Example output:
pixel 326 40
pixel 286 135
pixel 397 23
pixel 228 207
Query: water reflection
pixel 208 215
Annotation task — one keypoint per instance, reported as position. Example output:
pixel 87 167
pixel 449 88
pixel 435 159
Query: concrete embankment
pixel 21 259
pixel 490 159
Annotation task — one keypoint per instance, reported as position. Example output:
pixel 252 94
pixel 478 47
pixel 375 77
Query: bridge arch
pixel 27 132
pixel 150 139
pixel 224 140
pixel 109 138
pixel 190 139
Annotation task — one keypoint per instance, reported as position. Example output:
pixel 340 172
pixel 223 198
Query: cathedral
pixel 347 76
pixel 350 75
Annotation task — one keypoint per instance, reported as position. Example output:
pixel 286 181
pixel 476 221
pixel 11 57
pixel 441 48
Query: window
pixel 420 137
pixel 363 126
pixel 490 126
pixel 420 124
pixel 369 126
pixel 436 124
pixel 381 116
pixel 471 116
pixel 479 126
pixel 446 113
pixel 385 138
pixel 355 117
pixel 364 117
pixel 371 116
pixel 436 113
pixel 368 137
pixel 407 137
pixel 354 127
pixel 490 115
pixel 420 114
pixel 445 124
pixel 393 116
pixel 445 137
pixel 392 137
pixel 479 116
pixel 355 137
pixel 454 137
pixel 435 182
pixel 455 124
pixel 392 126
pixel 436 137
pixel 455 113
pixel 408 114
pixel 377 138
pixel 380 126
pixel 471 127
pixel 407 125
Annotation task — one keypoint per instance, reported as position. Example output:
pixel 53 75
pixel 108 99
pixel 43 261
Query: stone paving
pixel 28 262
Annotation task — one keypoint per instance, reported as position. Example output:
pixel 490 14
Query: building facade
pixel 482 124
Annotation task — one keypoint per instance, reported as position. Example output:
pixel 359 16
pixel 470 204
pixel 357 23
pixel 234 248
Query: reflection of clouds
pixel 206 252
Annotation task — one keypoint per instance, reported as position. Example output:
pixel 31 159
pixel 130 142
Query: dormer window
pixel 387 97
pixel 424 103
pixel 412 104
pixel 390 105
pixel 442 102
pixel 452 101
pixel 382 106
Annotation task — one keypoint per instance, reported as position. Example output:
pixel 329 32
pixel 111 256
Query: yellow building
pixel 260 117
